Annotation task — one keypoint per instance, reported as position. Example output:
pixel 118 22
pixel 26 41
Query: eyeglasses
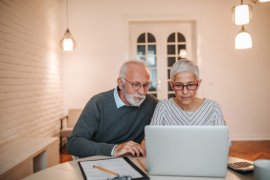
pixel 180 86
pixel 136 85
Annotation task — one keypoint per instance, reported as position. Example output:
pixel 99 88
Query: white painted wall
pixel 237 79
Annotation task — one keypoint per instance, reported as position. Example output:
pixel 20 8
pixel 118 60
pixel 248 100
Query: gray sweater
pixel 101 125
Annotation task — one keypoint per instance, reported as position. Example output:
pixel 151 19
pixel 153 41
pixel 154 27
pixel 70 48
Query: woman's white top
pixel 167 112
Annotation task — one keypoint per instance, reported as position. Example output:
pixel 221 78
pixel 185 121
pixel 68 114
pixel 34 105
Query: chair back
pixel 73 116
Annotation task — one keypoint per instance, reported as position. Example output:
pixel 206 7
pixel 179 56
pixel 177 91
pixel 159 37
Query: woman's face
pixel 185 86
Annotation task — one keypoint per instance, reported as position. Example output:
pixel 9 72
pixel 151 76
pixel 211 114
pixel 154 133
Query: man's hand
pixel 129 147
pixel 143 145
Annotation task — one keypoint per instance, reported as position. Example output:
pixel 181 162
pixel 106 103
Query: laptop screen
pixel 187 150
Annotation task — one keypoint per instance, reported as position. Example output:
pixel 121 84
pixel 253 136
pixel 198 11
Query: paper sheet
pixel 117 165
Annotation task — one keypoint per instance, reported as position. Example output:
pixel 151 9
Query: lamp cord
pixel 67 13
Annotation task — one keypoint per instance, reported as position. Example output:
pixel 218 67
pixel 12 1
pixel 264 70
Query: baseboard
pixel 250 138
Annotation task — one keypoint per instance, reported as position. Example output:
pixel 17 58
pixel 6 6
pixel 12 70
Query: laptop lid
pixel 187 150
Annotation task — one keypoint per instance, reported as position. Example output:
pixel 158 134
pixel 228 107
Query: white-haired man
pixel 112 123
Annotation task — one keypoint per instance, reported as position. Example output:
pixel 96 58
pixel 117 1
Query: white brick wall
pixel 30 69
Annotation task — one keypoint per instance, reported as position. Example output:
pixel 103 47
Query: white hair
pixel 123 69
pixel 184 65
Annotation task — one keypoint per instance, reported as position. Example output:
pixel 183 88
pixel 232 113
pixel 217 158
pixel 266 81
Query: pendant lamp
pixel 242 14
pixel 67 43
pixel 243 40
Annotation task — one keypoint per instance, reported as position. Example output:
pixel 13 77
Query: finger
pixel 131 151
pixel 137 148
pixel 141 149
pixel 120 150
pixel 137 151
pixel 125 148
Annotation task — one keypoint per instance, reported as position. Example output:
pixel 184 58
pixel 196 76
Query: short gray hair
pixel 123 69
pixel 184 65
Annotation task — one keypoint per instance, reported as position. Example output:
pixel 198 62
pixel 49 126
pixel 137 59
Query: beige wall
pixel 30 69
pixel 237 79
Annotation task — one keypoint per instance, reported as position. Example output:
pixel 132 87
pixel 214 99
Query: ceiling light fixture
pixel 242 14
pixel 241 17
pixel 243 40
pixel 67 43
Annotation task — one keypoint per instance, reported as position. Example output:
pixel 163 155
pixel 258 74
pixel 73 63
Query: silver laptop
pixel 187 150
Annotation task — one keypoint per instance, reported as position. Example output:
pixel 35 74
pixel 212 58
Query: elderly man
pixel 112 123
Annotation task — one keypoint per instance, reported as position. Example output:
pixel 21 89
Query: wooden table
pixel 71 171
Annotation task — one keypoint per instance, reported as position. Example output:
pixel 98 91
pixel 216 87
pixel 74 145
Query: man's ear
pixel 120 83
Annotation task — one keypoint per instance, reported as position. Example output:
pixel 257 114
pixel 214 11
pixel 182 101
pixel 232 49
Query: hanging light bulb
pixel 242 14
pixel 243 40
pixel 67 43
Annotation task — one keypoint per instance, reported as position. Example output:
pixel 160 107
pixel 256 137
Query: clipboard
pixel 122 166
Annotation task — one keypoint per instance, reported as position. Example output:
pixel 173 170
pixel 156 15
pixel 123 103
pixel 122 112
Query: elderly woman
pixel 185 108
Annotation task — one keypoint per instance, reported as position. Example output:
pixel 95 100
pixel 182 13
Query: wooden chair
pixel 67 124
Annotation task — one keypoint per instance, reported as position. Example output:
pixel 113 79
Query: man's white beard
pixel 132 98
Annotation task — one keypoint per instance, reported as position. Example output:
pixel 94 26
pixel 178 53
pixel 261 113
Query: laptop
pixel 187 150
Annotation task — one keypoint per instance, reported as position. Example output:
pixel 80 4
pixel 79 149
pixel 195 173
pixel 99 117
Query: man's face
pixel 134 99
pixel 134 86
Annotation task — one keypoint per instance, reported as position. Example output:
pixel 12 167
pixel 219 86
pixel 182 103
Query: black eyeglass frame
pixel 136 85
pixel 180 87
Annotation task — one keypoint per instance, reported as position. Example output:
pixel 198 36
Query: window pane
pixel 182 46
pixel 154 94
pixel 169 87
pixel 171 61
pixel 151 38
pixel 151 49
pixel 171 38
pixel 151 61
pixel 170 95
pixel 141 50
pixel 169 71
pixel 171 49
pixel 153 84
pixel 181 38
pixel 153 75
pixel 141 57
pixel 141 38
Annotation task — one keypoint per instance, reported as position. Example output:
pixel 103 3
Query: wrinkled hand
pixel 127 148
